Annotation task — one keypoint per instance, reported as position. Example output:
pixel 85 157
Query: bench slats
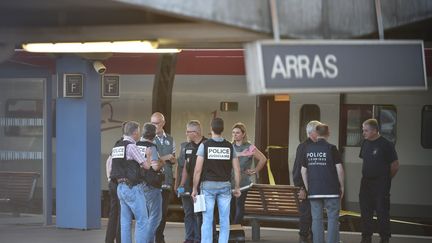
pixel 17 186
pixel 277 200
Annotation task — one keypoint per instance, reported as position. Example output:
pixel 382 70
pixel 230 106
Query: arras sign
pixel 334 66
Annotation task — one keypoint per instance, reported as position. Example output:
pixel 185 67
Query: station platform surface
pixel 174 233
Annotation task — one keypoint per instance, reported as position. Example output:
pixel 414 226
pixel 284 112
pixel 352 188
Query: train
pixel 274 122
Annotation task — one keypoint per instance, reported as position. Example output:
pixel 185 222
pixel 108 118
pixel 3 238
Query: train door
pixel 272 133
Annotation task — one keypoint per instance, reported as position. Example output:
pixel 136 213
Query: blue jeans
pixel 132 201
pixel 220 192
pixel 192 226
pixel 332 206
pixel 153 198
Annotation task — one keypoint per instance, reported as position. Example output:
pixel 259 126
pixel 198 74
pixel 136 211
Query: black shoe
pixel 366 240
pixel 384 240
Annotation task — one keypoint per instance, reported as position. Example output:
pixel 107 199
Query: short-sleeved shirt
pixel 377 156
pixel 200 151
pixel 245 164
pixel 154 152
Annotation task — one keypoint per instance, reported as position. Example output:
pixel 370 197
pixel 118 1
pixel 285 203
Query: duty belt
pixel 166 187
pixel 125 181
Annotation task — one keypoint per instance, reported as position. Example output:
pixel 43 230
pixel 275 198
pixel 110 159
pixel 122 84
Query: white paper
pixel 199 204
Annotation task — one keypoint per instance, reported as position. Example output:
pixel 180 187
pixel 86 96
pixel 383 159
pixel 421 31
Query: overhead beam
pixel 170 35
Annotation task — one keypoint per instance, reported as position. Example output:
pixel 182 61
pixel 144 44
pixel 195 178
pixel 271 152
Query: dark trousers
pixel 166 198
pixel 305 222
pixel 113 227
pixel 238 208
pixel 192 221
pixel 375 197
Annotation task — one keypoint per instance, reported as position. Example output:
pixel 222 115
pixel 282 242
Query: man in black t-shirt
pixel 380 165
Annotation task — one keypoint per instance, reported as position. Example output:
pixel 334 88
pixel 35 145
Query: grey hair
pixel 196 124
pixel 130 127
pixel 311 126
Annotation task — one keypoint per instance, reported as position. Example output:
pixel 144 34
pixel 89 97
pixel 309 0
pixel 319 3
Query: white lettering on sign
pixel 218 153
pixel 118 152
pixel 142 150
pixel 302 66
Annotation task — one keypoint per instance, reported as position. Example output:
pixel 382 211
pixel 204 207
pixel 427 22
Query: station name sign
pixel 334 66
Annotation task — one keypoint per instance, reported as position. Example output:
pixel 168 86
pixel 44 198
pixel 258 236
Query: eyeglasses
pixel 190 131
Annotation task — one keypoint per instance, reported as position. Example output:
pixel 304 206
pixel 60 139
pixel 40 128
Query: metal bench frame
pixel 17 188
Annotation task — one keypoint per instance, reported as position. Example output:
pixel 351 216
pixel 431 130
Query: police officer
pixel 323 177
pixel 166 149
pixel 126 162
pixel 380 165
pixel 304 206
pixel 216 158
pixel 192 221
pixel 113 226
pixel 153 179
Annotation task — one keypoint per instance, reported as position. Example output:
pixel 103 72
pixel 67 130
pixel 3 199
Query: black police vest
pixel 123 168
pixel 152 177
pixel 217 160
pixel 190 155
pixel 322 175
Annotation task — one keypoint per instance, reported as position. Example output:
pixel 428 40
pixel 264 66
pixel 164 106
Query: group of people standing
pixel 139 170
pixel 142 181
pixel 318 171
pixel 213 167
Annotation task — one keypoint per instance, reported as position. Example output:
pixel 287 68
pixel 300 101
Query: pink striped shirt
pixel 132 152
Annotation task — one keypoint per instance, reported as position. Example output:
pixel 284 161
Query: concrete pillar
pixel 78 190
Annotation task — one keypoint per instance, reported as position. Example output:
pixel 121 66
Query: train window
pixel 353 116
pixel 307 114
pixel 426 129
pixel 386 116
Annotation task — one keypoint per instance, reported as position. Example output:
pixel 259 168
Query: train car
pixel 277 122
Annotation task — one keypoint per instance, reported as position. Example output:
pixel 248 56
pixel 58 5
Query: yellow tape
pixel 269 171
pixel 357 215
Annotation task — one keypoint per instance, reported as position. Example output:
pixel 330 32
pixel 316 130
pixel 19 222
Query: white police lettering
pixel 142 150
pixel 316 158
pixel 189 151
pixel 118 152
pixel 303 66
pixel 218 153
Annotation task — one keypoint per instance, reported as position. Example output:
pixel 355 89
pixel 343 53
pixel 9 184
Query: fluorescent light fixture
pixel 98 47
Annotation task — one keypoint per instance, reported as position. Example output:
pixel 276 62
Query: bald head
pixel 158 120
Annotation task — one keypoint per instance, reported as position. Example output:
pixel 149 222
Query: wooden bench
pixel 272 203
pixel 17 189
